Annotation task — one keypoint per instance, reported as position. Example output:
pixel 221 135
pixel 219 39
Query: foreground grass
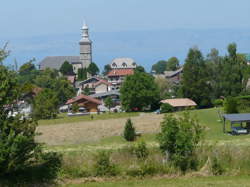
pixel 63 118
pixel 223 181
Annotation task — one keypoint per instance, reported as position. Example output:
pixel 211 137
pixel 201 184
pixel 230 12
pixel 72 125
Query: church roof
pixel 55 62
pixel 119 63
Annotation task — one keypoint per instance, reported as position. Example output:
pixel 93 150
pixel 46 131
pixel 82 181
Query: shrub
pixel 179 138
pixel 103 166
pixel 141 150
pixel 165 108
pixel 129 131
pixel 230 105
pixel 216 167
pixel 75 108
pixel 218 102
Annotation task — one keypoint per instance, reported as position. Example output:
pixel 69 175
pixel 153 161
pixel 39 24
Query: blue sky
pixel 26 21
pixel 29 17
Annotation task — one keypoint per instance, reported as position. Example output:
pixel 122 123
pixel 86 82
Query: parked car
pixel 158 111
pixel 239 130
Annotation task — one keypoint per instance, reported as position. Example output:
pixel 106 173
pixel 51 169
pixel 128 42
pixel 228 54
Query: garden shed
pixel 237 119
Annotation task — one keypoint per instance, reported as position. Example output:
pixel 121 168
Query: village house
pixel 180 103
pixel 89 103
pixel 120 68
pixel 95 85
pixel 114 95
pixel 174 76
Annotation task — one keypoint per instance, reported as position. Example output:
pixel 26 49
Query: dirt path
pixel 89 131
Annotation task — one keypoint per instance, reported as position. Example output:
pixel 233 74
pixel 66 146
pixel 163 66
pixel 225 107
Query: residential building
pixel 174 76
pixel 117 76
pixel 115 96
pixel 89 103
pixel 180 103
pixel 123 63
pixel 95 85
pixel 81 61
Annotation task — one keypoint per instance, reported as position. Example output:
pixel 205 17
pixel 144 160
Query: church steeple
pixel 85 32
pixel 85 47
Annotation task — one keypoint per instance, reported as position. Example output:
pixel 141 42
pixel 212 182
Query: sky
pixel 32 19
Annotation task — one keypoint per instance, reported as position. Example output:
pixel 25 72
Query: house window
pixel 114 65
pixel 124 65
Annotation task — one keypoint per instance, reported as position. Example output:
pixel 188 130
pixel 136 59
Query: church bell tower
pixel 85 47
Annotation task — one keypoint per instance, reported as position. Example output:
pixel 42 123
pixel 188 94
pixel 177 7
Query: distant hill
pixel 146 47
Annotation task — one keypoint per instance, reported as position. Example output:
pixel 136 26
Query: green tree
pixel 232 75
pixel 86 91
pixel 230 105
pixel 159 67
pixel 129 131
pixel 27 68
pixel 82 74
pixel 179 138
pixel 195 79
pixel 93 69
pixel 107 69
pixel 172 64
pixel 46 105
pixel 66 68
pixel 139 91
pixel 108 102
pixel 60 85
pixel 21 157
pixel 140 69
pixel 164 86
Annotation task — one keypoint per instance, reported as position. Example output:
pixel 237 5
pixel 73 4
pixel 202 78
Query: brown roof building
pixel 180 102
pixel 89 103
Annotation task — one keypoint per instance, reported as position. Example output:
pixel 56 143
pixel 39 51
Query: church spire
pixel 85 32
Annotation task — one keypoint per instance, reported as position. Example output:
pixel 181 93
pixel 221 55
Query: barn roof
pixel 180 102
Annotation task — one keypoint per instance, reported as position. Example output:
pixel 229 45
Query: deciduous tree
pixel 139 91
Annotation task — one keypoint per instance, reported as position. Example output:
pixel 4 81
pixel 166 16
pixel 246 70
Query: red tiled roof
pixel 121 72
pixel 88 98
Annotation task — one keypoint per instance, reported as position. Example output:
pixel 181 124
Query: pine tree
pixel 129 131
pixel 195 80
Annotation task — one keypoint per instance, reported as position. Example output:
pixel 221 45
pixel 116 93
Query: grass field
pixel 106 130
pixel 63 118
pixel 222 181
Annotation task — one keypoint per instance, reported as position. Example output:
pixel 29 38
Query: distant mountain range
pixel 146 47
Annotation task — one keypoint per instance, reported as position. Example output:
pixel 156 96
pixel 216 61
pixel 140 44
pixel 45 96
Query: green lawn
pixel 223 181
pixel 63 118
pixel 213 126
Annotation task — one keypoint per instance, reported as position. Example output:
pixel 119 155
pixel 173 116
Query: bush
pixel 179 138
pixel 141 150
pixel 217 168
pixel 230 105
pixel 103 166
pixel 75 108
pixel 129 131
pixel 218 102
pixel 166 108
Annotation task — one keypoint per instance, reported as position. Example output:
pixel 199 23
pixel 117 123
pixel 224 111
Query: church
pixel 82 61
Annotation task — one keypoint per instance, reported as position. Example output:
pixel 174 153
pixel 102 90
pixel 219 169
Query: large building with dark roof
pixel 81 61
